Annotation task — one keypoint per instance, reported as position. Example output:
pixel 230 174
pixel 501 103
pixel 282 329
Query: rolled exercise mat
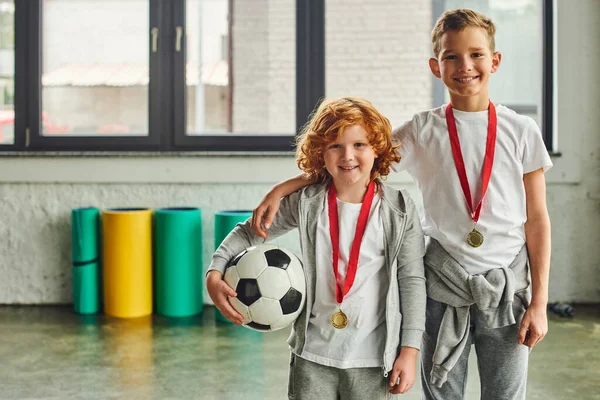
pixel 85 239
pixel 225 221
pixel 178 252
pixel 127 262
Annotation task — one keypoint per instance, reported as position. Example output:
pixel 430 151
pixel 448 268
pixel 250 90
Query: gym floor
pixel 52 353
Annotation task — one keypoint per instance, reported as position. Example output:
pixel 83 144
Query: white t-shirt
pixel 361 343
pixel 427 155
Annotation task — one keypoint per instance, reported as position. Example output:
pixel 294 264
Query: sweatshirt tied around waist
pixel 493 294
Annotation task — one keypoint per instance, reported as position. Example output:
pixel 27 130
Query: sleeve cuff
pixel 218 264
pixel 411 338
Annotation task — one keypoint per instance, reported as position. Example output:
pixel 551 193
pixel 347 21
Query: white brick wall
pixel 378 50
pixel 35 231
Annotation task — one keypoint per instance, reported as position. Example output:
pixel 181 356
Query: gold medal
pixel 339 320
pixel 475 238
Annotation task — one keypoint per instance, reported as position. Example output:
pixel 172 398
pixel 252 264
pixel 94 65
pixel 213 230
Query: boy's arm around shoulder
pixel 411 278
pixel 407 137
pixel 407 132
pixel 263 214
pixel 242 236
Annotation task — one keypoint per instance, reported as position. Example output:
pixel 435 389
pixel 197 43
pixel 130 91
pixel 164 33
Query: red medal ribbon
pixel 488 161
pixel 334 231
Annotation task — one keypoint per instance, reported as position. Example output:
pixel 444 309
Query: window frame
pixel 166 99
pixel 310 85
pixel 167 94
pixel 34 140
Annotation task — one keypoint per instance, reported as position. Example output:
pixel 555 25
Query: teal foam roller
pixel 178 255
pixel 85 234
pixel 225 221
pixel 86 288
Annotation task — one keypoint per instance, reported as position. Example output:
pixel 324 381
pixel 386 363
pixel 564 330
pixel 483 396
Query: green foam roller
pixel 178 252
pixel 85 239
pixel 225 221
pixel 86 290
pixel 85 234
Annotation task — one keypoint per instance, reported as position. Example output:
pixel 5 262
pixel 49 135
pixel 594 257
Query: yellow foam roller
pixel 127 262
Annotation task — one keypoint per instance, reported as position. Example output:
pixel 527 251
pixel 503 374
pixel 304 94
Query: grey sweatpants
pixel 312 381
pixel 501 361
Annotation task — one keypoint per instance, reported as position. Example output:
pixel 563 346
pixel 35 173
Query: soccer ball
pixel 270 287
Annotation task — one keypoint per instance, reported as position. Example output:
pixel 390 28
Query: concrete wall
pixel 574 203
pixel 35 230
pixel 37 193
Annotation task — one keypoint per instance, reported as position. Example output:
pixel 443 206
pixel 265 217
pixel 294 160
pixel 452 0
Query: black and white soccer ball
pixel 270 287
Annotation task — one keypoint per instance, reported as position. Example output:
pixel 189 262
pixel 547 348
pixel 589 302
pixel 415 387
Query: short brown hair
pixel 456 21
pixel 329 121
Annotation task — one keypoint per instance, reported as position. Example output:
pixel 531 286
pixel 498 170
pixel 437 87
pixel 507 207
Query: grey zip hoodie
pixel 404 251
pixel 492 293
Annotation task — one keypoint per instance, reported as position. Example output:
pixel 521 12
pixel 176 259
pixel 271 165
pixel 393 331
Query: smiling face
pixel 350 158
pixel 465 63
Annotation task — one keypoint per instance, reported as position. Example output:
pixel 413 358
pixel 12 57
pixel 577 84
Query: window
pixel 234 75
pixel 7 26
pixel 95 68
pixel 7 72
pixel 255 95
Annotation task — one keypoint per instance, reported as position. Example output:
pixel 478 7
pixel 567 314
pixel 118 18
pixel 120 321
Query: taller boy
pixel 480 169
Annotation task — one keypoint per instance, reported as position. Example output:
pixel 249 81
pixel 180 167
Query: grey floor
pixel 52 353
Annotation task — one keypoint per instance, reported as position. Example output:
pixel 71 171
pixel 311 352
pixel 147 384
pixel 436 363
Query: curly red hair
pixel 329 121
